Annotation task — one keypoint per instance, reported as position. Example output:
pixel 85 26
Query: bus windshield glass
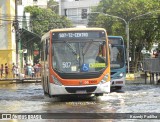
pixel 116 41
pixel 83 55
pixel 117 57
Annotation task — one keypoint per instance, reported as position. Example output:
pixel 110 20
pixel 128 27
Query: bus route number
pixel 73 35
pixel 66 64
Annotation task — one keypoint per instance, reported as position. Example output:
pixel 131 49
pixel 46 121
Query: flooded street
pixel 136 97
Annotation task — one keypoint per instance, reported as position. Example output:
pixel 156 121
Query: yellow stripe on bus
pixel 95 65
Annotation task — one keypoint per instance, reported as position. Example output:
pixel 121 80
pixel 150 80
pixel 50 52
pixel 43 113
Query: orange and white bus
pixel 75 61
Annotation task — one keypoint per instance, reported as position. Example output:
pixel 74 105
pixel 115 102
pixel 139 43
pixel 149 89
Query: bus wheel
pixel 44 90
pixel 48 92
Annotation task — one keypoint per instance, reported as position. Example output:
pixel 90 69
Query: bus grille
pixel 87 89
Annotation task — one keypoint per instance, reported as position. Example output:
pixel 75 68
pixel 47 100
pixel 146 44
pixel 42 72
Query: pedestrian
pixel 29 69
pixel 36 69
pixel 6 70
pixel 1 69
pixel 17 71
pixel 25 70
pixel 39 70
pixel 14 70
pixel 33 72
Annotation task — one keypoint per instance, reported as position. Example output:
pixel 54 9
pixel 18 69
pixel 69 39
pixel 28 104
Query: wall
pixel 73 9
pixel 7 33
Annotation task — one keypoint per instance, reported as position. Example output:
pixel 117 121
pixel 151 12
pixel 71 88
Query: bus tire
pixel 48 91
pixel 44 91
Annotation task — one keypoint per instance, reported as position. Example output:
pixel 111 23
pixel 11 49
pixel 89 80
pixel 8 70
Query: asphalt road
pixel 135 97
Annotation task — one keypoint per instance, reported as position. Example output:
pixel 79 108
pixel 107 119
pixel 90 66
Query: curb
pixel 9 81
pixel 130 76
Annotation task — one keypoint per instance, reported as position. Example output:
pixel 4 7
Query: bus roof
pixel 115 36
pixel 116 40
pixel 72 29
pixel 75 29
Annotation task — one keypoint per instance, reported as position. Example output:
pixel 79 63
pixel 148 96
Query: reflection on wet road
pixel 29 98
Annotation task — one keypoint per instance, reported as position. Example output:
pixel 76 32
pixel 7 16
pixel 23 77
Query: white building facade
pixel 73 9
pixel 39 3
pixel 7 33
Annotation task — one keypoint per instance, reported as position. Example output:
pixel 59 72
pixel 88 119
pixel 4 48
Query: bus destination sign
pixel 73 35
pixel 78 35
pixel 115 41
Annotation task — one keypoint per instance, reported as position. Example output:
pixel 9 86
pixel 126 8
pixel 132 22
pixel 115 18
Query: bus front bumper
pixel 118 82
pixel 85 89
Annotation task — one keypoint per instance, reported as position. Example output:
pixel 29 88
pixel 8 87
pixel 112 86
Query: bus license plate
pixel 81 91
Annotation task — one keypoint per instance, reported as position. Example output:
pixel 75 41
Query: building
pixel 7 33
pixel 26 35
pixel 39 3
pixel 8 51
pixel 77 10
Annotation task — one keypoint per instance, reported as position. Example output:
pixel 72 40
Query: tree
pixel 43 20
pixel 53 5
pixel 144 31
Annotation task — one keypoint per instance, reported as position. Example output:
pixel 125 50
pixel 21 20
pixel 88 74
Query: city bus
pixel 118 61
pixel 75 61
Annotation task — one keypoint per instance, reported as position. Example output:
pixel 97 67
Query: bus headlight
pixel 56 81
pixel 105 78
pixel 120 75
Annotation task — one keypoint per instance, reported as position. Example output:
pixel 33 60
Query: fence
pixel 151 66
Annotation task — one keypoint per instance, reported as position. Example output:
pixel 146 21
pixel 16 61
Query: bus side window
pixel 42 52
pixel 46 49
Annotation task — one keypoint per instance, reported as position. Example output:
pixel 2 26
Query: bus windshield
pixel 117 57
pixel 72 56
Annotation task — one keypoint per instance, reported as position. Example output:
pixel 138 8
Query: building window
pixel 65 12
pixel 84 14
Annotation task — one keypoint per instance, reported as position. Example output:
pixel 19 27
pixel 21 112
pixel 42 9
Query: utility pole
pixel 16 31
pixel 128 58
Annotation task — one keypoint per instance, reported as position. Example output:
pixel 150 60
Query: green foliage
pixel 43 20
pixel 53 5
pixel 144 28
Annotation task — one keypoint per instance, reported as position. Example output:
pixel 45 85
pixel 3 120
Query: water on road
pixel 135 97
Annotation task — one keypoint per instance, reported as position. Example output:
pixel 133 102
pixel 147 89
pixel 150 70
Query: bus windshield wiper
pixel 88 46
pixel 73 51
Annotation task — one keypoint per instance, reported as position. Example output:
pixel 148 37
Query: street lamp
pixel 127 29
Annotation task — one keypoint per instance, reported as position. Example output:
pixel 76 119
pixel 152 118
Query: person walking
pixel 29 69
pixel 1 71
pixel 6 70
pixel 39 70
pixel 36 69
pixel 14 70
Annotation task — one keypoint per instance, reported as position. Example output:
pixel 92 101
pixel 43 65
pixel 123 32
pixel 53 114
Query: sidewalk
pixel 132 76
pixel 18 80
